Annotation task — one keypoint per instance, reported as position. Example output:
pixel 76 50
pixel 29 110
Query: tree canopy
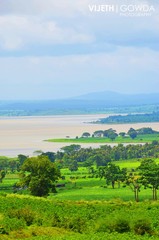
pixel 41 175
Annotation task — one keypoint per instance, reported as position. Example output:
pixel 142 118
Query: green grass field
pixel 85 208
pixel 82 187
pixel 147 138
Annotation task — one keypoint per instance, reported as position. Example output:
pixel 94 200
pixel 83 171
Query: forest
pixel 131 118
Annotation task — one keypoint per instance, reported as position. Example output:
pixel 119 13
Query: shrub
pixel 8 225
pixel 122 225
pixel 119 225
pixel 24 213
pixel 142 226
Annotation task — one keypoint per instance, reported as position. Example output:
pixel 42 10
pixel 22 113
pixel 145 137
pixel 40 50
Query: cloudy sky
pixel 55 49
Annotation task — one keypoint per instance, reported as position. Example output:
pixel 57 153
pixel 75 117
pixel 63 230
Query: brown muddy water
pixel 24 135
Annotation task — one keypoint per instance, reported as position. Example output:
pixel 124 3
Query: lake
pixel 24 135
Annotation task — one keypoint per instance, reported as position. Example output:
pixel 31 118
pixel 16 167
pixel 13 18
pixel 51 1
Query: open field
pixel 24 135
pixel 80 186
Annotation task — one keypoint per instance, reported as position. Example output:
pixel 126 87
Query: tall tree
pixel 149 172
pixel 134 183
pixel 41 175
pixel 2 175
pixel 111 173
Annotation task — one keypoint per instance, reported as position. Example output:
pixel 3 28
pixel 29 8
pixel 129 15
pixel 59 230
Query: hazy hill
pixel 99 102
pixel 113 98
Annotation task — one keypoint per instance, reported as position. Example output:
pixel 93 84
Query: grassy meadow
pixel 85 208
pixel 146 138
pixel 80 185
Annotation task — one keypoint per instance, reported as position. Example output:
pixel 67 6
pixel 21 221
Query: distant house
pixel 86 135
pixel 98 134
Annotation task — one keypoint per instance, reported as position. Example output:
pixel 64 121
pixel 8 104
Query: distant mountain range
pixel 114 98
pixel 98 102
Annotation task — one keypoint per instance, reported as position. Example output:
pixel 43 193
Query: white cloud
pixel 16 31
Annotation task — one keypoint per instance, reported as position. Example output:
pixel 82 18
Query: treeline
pixel 73 156
pixel 112 134
pixel 131 118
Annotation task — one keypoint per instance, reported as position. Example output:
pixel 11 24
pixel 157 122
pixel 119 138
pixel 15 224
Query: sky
pixel 59 49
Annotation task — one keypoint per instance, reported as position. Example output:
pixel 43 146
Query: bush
pixel 11 224
pixel 142 226
pixel 24 213
pixel 121 226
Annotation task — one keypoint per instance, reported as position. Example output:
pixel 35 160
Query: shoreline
pixel 24 135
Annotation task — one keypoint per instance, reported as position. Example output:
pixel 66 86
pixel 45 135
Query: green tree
pixel 86 134
pixel 132 133
pixel 50 155
pixel 98 133
pixel 71 148
pixel 122 134
pixel 149 172
pixel 21 159
pixel 134 183
pixel 73 166
pixel 13 165
pixel 112 135
pixel 2 175
pixel 111 173
pixel 41 175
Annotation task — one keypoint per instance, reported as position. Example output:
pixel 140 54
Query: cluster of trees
pixel 12 164
pixel 73 155
pixel 112 134
pixel 40 173
pixel 147 175
pixel 131 118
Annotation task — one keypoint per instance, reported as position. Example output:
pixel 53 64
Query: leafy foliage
pixel 41 177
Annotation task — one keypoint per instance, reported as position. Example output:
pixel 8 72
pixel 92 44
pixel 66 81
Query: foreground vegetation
pixel 26 217
pixel 104 193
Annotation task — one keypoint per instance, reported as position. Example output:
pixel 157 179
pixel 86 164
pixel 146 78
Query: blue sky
pixel 55 49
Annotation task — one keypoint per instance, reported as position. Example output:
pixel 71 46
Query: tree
pixel 86 135
pixel 98 133
pixel 41 175
pixel 112 173
pixel 71 148
pixel 2 175
pixel 132 133
pixel 22 158
pixel 13 165
pixel 135 184
pixel 122 134
pixel 149 172
pixel 73 166
pixel 112 135
pixel 50 155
